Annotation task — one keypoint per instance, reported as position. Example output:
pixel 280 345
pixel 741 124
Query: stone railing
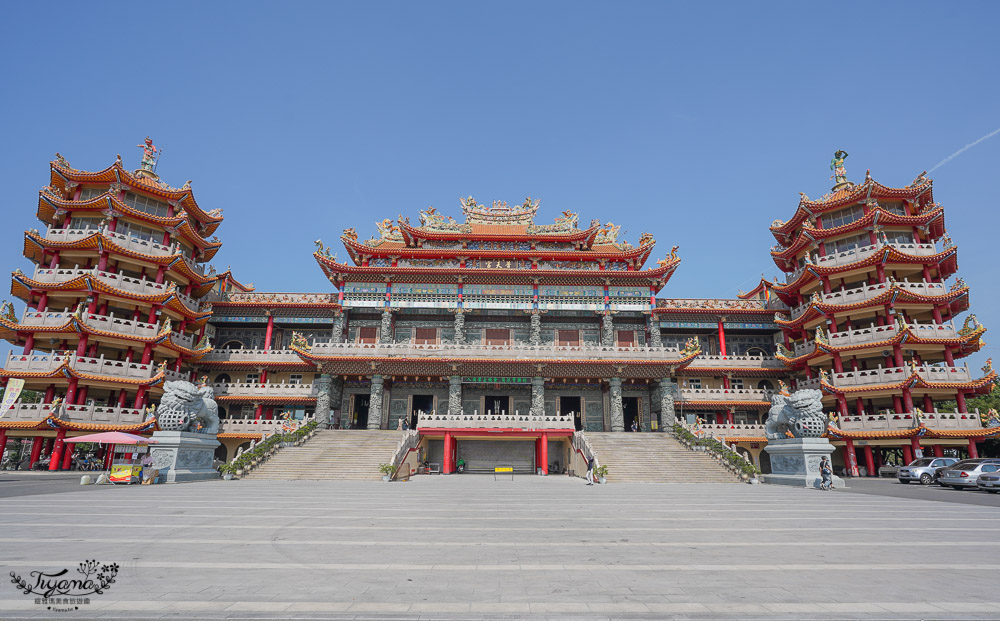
pixel 128 242
pixel 107 415
pixel 517 351
pixel 582 444
pixel 721 430
pixel 46 363
pixel 494 421
pixel 171 375
pixel 249 425
pixel 140 286
pixel 409 441
pixel 267 389
pixel 860 253
pixel 263 356
pixel 740 362
pixel 868 292
pixel 891 375
pixel 724 394
pixel 895 421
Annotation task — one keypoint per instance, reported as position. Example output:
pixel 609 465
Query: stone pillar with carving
pixel 338 328
pixel 667 416
pixel 617 411
pixel 385 331
pixel 607 331
pixel 375 403
pixel 455 395
pixel 535 336
pixel 337 398
pixel 323 400
pixel 537 397
pixel 655 339
pixel 460 327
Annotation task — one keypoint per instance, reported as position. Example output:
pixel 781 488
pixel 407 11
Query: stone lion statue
pixel 186 407
pixel 800 413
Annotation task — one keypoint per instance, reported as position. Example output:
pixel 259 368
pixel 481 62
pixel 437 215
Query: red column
pixel 121 398
pixel 81 346
pixel 915 445
pixel 928 403
pixel 81 396
pixel 448 466
pixel 960 401
pixel 722 339
pixel 3 442
pixel 897 404
pixel 50 394
pixel 139 395
pixel 859 406
pixel 258 412
pixel 870 461
pixel 850 457
pixel 109 456
pixel 147 353
pixel 29 343
pixel 36 450
pixel 68 456
pixel 842 405
pixel 949 358
pixel 907 454
pixel 270 331
pixel 543 452
pixel 71 390
pixel 907 400
pixel 57 450
pixel 938 450
pixel 973 453
pixel 838 362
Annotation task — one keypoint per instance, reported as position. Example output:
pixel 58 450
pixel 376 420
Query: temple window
pixel 86 222
pixel 140 232
pixel 88 193
pixel 849 243
pixel 693 383
pixel 896 208
pixel 497 336
pixel 626 338
pixel 367 335
pixel 147 204
pixel 899 237
pixel 736 383
pixel 568 338
pixel 425 336
pixel 253 378
pixel 842 217
pixel 295 378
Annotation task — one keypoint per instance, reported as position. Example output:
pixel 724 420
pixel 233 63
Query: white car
pixel 923 469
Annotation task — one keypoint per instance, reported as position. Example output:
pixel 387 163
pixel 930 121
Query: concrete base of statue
pixel 183 456
pixel 795 461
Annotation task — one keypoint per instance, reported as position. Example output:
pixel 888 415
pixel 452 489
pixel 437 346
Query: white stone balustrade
pixel 263 356
pixel 267 389
pixel 896 421
pixel 494 421
pixel 517 351
pixel 724 394
pixel 46 363
pixel 140 286
pixel 106 415
pixel 170 375
pixel 127 242
pixel 721 430
pixel 740 362
pixel 110 323
pixel 860 253
pixel 868 292
pixel 184 340
pixel 891 375
pixel 249 425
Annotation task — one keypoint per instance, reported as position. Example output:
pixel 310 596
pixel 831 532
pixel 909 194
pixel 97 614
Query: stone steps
pixel 654 458
pixel 334 454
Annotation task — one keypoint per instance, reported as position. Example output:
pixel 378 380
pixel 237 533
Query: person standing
pixel 826 472
pixel 590 470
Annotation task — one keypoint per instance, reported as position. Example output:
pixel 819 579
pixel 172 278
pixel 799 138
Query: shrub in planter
pixel 387 471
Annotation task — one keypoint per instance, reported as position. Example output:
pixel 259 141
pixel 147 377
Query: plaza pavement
pixel 467 546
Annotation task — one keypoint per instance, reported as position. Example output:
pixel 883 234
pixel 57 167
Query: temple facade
pixel 496 337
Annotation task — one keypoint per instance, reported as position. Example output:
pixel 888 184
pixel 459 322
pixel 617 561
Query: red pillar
pixel 928 403
pixel 543 452
pixel 270 331
pixel 121 398
pixel 57 450
pixel 258 412
pixel 938 450
pixel 870 461
pixel 907 400
pixel 448 466
pixel 3 442
pixel 68 456
pixel 109 456
pixel 139 395
pixel 960 402
pixel 949 358
pixel 722 339
pixel 907 455
pixel 973 453
pixel 71 390
pixel 897 404
pixel 29 343
pixel 915 445
pixel 36 450
pixel 850 457
pixel 50 394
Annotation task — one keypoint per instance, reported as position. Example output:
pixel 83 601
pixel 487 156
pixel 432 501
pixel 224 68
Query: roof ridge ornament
pixel 500 213
pixel 839 171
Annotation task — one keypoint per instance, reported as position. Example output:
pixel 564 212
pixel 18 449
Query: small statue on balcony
pixel 299 342
pixel 7 312
pixel 186 407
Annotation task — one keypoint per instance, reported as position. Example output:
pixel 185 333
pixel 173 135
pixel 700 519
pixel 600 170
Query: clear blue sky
pixel 699 122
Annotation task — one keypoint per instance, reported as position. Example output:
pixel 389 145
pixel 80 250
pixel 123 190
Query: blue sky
pixel 697 122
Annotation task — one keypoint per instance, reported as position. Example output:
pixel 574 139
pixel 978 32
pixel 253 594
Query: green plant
pixel 387 469
pixel 601 472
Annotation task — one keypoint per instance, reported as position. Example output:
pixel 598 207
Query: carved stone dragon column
pixel 455 395
pixel 537 396
pixel 607 332
pixel 460 327
pixel 337 336
pixel 337 399
pixel 385 331
pixel 535 336
pixel 375 403
pixel 655 339
pixel 667 417
pixel 323 400
pixel 617 411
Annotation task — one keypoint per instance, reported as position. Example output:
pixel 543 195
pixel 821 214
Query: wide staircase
pixel 654 458
pixel 335 454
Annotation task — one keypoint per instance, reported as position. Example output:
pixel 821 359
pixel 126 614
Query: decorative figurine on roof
pixel 692 346
pixel 920 180
pixel 988 367
pixel 62 162
pixel 783 388
pixel 431 219
pixel 837 166
pixel 7 312
pixel 350 234
pixel 150 154
pixel 990 418
pixel 971 325
pixel 389 231
pixel 803 198
pixel 959 284
pixel 215 213
pixel 166 325
pixel 783 351
pixel 800 414
pixel 820 335
pixel 299 342
pixel 608 235
pixel 118 161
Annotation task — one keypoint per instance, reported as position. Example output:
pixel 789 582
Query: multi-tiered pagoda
pixel 872 320
pixel 112 302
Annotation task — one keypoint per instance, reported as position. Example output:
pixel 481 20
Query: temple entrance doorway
pixel 630 406
pixel 571 406
pixel 421 403
pixel 497 405
pixel 360 411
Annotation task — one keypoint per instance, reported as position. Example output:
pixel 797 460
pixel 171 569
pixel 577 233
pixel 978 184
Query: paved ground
pixel 18 483
pixel 468 547
pixel 893 488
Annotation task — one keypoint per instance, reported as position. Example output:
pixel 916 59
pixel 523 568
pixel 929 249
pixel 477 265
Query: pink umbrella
pixel 113 437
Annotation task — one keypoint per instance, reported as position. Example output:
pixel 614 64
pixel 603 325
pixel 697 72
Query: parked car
pixel 924 469
pixel 940 471
pixel 965 474
pixel 989 482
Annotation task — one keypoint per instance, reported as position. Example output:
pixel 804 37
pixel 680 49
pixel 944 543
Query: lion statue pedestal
pixel 794 429
pixel 188 418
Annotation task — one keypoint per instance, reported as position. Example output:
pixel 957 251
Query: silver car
pixel 989 482
pixel 965 475
pixel 923 469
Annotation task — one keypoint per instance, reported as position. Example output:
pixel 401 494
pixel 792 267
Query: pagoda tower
pixel 113 299
pixel 872 321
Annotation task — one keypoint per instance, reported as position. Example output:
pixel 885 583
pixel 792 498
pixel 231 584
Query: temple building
pixel 497 338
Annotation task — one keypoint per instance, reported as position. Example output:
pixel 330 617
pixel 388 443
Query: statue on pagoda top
pixel 837 166
pixel 149 155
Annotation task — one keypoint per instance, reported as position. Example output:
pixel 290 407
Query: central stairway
pixel 335 454
pixel 654 458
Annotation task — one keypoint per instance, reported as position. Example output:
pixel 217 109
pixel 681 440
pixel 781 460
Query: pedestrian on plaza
pixel 590 471
pixel 826 472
